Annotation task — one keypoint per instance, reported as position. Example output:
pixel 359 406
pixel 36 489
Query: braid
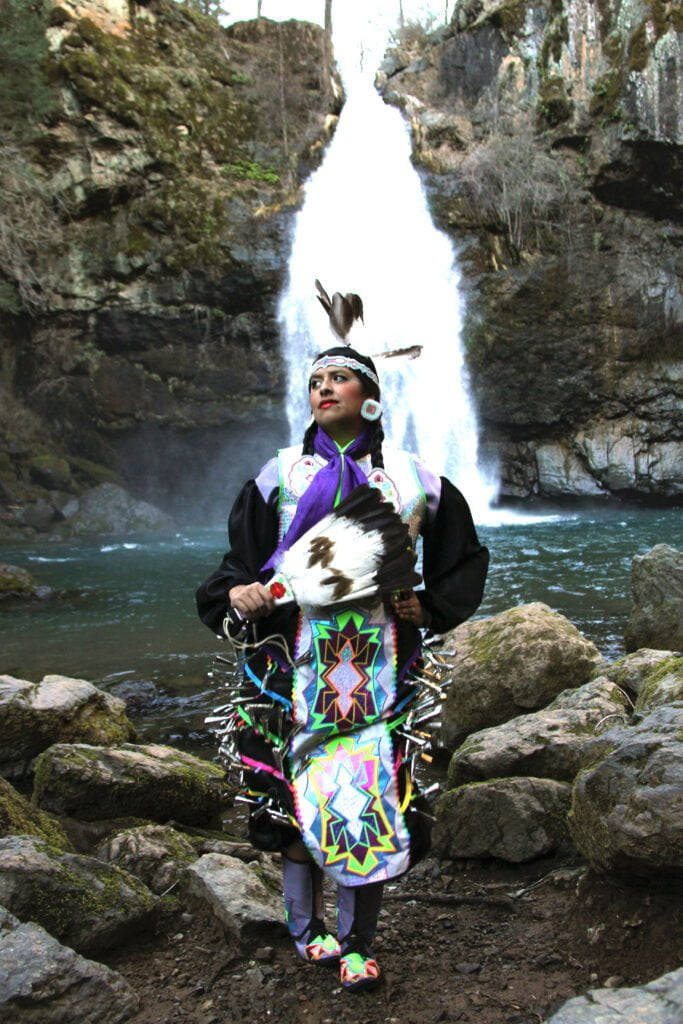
pixel 376 438
pixel 311 431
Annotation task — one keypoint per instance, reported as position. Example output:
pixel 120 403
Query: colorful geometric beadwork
pixel 349 678
pixel 347 807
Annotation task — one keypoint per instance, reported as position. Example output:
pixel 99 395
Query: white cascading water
pixel 365 227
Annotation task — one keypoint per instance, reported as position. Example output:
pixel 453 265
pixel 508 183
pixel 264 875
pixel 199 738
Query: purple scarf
pixel 319 498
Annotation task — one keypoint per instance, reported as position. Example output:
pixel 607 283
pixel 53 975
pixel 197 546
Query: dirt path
pixel 473 943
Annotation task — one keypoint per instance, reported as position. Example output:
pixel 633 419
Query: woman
pixel 317 727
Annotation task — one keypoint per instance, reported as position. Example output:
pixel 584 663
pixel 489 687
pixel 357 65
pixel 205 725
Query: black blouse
pixel 454 562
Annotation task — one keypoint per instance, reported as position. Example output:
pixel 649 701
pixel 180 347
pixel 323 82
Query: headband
pixel 352 364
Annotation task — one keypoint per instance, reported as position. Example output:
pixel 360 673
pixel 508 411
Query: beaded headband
pixel 352 364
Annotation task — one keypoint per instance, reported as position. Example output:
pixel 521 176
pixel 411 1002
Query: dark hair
pixel 370 390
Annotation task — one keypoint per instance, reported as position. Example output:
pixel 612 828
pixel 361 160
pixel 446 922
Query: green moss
pixel 509 16
pixel 19 817
pixel 607 94
pixel 638 50
pixel 554 37
pixel 251 170
pixel 554 106
pixel 81 899
pixel 668 667
pixel 9 298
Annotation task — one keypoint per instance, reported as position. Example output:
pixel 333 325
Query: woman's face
pixel 336 396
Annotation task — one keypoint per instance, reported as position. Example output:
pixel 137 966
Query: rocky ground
pixel 475 943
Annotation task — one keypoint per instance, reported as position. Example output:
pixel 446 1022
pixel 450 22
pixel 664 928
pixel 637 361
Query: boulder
pixel 44 982
pixel 663 685
pixel 627 807
pixel 552 743
pixel 517 661
pixel 84 903
pixel 58 709
pixel 51 471
pixel 248 910
pixel 633 672
pixel 19 817
pixel 659 1002
pixel 156 854
pixel 657 586
pixel 512 819
pixel 153 782
pixel 110 509
pixel 16 582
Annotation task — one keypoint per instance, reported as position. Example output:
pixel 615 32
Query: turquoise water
pixel 128 608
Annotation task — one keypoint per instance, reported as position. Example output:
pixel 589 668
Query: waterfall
pixel 365 227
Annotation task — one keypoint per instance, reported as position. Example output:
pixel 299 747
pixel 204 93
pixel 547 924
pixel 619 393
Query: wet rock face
pixel 174 156
pixel 42 980
pixel 627 808
pixel 551 138
pixel 657 615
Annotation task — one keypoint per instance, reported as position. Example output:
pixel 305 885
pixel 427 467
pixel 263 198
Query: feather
pixel 323 297
pixel 358 551
pixel 342 310
pixel 412 352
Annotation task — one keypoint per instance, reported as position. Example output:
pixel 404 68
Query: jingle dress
pixel 319 742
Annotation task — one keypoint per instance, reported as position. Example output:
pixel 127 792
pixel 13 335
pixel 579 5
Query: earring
pixel 371 410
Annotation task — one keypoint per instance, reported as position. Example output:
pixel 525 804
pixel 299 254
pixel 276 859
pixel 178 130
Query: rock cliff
pixel 550 140
pixel 138 313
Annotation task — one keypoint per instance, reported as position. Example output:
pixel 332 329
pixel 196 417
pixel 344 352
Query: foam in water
pixel 365 227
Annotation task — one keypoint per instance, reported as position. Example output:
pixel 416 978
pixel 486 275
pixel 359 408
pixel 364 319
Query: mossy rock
pixel 84 903
pixel 51 471
pixel 19 817
pixel 16 582
pixel 663 685
pixel 56 710
pixel 156 854
pixel 150 781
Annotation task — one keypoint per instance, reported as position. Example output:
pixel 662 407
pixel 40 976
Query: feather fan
pixel 361 549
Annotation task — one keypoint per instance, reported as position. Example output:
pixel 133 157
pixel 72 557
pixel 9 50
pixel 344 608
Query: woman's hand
pixel 407 607
pixel 251 600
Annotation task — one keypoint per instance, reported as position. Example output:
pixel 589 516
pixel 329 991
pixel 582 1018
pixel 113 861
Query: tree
pixel 327 49
pixel 25 95
pixel 211 8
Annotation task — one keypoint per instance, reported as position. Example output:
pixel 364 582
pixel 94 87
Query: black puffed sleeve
pixel 252 531
pixel 455 564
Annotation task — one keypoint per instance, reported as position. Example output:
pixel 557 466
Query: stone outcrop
pixel 19 817
pixel 511 819
pixel 553 743
pixel 58 709
pixel 141 337
pixel 634 671
pixel 610 749
pixel 657 615
pixel 150 781
pixel 44 982
pixel 551 142
pixel 627 807
pixel 658 1002
pixel 83 902
pixel 156 854
pixel 19 584
pixel 109 508
pixel 246 907
pixel 517 661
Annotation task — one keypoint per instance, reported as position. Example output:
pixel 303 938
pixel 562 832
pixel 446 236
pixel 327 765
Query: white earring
pixel 371 410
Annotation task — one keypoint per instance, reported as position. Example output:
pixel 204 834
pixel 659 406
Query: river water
pixel 127 610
